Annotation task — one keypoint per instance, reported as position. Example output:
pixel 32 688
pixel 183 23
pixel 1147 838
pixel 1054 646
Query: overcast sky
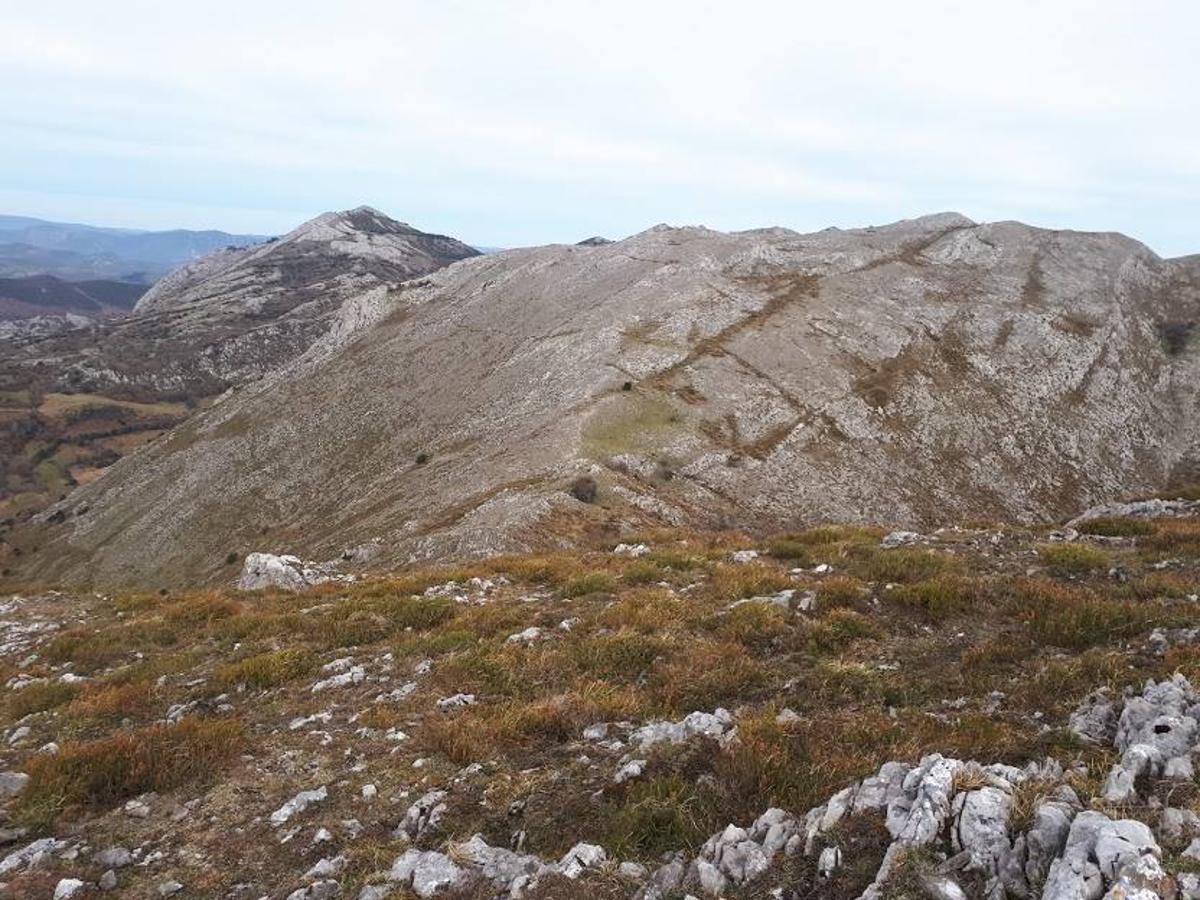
pixel 517 123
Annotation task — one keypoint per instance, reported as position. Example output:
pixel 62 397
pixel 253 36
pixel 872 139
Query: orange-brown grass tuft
pixel 840 590
pixel 838 629
pixel 1073 559
pixel 201 610
pixel 737 582
pixel 939 597
pixel 707 675
pixel 1175 537
pixel 266 670
pixel 103 772
pixel 1117 526
pixel 1073 617
pixel 594 582
pixel 902 564
pixel 113 701
pixel 38 697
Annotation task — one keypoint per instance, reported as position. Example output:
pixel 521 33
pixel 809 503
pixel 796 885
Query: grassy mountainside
pixel 211 709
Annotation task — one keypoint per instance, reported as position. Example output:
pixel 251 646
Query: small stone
pixel 829 861
pixel 326 867
pixel 169 888
pixel 899 539
pixel 631 550
pixel 19 735
pixel 108 881
pixel 114 858
pixel 632 769
pixel 1179 767
pixel 67 887
pixel 580 858
pixel 530 635
pixel 633 871
pixel 323 890
pixel 12 783
pixel 942 887
pixel 787 716
pixel 369 791
pixel 298 804
pixel 137 809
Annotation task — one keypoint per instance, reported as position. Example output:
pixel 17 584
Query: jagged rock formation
pixel 928 370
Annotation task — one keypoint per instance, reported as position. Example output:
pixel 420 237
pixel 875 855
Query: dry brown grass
pixel 736 582
pixel 956 624
pixel 595 582
pixel 838 629
pixel 103 772
pixel 1073 617
pixel 902 564
pixel 201 610
pixel 753 625
pixel 707 675
pixel 1073 559
pixel 939 597
pixel 113 701
pixel 1117 526
pixel 38 697
pixel 647 610
pixel 1173 537
pixel 266 670
pixel 840 591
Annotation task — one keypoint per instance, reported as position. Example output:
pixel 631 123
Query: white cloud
pixel 514 122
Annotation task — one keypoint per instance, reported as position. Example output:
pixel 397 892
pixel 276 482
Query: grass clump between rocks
pixel 103 772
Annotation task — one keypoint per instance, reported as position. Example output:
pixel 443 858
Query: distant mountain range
pixel 75 252
pixel 86 376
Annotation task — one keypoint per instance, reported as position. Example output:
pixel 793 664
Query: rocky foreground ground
pixel 836 713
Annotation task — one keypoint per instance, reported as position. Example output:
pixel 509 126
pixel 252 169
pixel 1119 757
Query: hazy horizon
pixel 543 123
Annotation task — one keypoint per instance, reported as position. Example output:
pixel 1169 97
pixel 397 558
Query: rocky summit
pixel 926 372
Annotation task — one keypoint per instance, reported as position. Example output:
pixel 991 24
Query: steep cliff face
pixel 926 371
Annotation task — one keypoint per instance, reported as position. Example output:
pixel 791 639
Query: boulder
pixel 267 570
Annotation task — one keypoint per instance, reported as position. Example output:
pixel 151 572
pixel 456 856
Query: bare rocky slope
pixel 927 371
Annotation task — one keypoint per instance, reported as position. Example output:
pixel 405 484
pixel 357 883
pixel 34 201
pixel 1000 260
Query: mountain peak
pixel 383 251
pixel 360 219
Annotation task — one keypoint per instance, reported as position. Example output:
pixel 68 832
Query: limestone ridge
pixel 929 370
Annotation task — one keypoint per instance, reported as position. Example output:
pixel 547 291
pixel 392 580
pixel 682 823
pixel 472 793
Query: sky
pixel 528 122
